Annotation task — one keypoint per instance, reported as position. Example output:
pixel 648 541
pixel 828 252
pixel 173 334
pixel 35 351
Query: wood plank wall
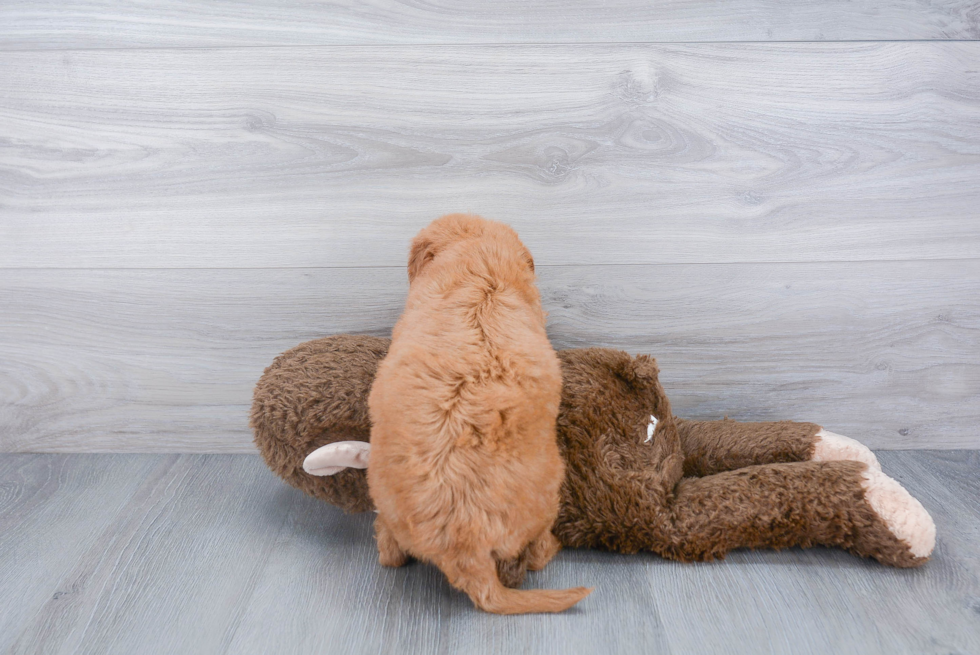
pixel 779 200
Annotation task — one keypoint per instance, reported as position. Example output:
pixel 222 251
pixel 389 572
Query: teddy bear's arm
pixel 714 446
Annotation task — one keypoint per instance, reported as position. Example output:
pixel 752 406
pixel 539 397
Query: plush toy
pixel 637 477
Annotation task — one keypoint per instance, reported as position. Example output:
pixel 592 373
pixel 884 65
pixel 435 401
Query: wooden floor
pixel 213 554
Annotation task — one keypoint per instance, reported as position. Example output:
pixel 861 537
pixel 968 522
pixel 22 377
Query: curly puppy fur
pixel 464 467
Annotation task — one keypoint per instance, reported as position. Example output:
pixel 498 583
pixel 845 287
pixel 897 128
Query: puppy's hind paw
pixel 389 552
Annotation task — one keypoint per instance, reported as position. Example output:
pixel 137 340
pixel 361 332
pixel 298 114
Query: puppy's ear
pixel 529 259
pixel 422 252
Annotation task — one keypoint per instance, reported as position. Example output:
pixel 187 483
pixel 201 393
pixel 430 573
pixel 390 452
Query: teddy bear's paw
pixel 905 516
pixel 832 447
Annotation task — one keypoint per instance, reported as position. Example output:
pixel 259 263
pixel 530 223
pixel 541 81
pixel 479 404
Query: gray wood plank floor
pixel 165 360
pixel 336 156
pixel 197 23
pixel 213 554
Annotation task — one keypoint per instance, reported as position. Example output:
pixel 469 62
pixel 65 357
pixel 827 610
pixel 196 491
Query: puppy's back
pixel 464 461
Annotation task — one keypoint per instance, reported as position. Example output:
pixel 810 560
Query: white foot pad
pixel 904 515
pixel 832 447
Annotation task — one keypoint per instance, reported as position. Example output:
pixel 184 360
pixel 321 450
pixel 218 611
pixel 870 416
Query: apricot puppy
pixel 464 466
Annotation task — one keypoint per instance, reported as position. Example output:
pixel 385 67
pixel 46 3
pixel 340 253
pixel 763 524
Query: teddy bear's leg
pixel 513 571
pixel 714 446
pixel 841 503
pixel 389 552
pixel 831 447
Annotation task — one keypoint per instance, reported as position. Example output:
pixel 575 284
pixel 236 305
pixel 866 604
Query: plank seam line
pixel 540 266
pixel 583 44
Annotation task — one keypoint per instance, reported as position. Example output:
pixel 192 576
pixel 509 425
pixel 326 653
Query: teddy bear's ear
pixel 421 253
pixel 640 371
pixel 337 456
pixel 645 367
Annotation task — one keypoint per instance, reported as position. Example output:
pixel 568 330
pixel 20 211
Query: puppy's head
pixel 442 234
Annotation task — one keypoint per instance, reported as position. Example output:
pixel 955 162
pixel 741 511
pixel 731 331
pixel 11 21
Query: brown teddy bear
pixel 637 477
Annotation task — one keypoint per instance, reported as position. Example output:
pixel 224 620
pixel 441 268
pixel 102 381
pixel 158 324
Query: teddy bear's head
pixel 313 399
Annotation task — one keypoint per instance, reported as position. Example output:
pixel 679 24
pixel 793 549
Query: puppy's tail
pixel 476 575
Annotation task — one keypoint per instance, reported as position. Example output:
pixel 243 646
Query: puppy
pixel 464 466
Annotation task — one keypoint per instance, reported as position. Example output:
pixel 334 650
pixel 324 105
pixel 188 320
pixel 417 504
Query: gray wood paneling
pixel 216 555
pixel 336 156
pixel 165 360
pixel 197 23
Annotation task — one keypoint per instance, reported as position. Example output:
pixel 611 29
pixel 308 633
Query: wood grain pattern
pixel 180 561
pixel 30 24
pixel 336 156
pixel 165 360
pixel 213 554
pixel 53 510
pixel 414 610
